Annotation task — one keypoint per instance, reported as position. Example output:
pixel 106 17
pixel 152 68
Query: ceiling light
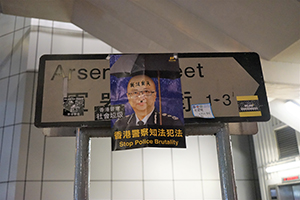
pixel 292 106
pixel 284 166
pixel 292 103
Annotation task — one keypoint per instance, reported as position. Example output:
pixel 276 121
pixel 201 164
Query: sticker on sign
pixel 202 110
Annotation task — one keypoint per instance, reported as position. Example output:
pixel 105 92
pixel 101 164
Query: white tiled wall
pixel 7 139
pixel 208 158
pixel 100 190
pixel 59 153
pixel 5 57
pixel 11 100
pixel 157 164
pixel 100 160
pixel 159 190
pixel 186 162
pixel 3 89
pixel 34 167
pixel 192 189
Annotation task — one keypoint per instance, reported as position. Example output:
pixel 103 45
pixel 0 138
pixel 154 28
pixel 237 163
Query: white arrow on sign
pixel 220 82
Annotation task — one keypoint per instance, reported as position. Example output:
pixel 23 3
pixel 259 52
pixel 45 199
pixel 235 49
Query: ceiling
pixel 270 28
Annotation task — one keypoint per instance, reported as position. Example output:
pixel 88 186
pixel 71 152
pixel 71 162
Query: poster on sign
pixel 148 86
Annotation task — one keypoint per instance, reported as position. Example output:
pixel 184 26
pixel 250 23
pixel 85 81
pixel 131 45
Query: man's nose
pixel 141 94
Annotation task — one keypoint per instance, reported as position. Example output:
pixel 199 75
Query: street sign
pixel 216 87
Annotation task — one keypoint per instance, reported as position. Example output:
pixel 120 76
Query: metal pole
pixel 228 185
pixel 82 164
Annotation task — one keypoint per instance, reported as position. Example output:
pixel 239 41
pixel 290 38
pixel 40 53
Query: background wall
pixel 33 166
pixel 14 37
pixel 266 151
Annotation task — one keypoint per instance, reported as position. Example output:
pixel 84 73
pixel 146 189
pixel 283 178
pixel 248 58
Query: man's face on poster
pixel 141 94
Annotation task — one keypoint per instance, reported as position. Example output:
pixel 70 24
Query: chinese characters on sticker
pixel 202 110
pixel 109 112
